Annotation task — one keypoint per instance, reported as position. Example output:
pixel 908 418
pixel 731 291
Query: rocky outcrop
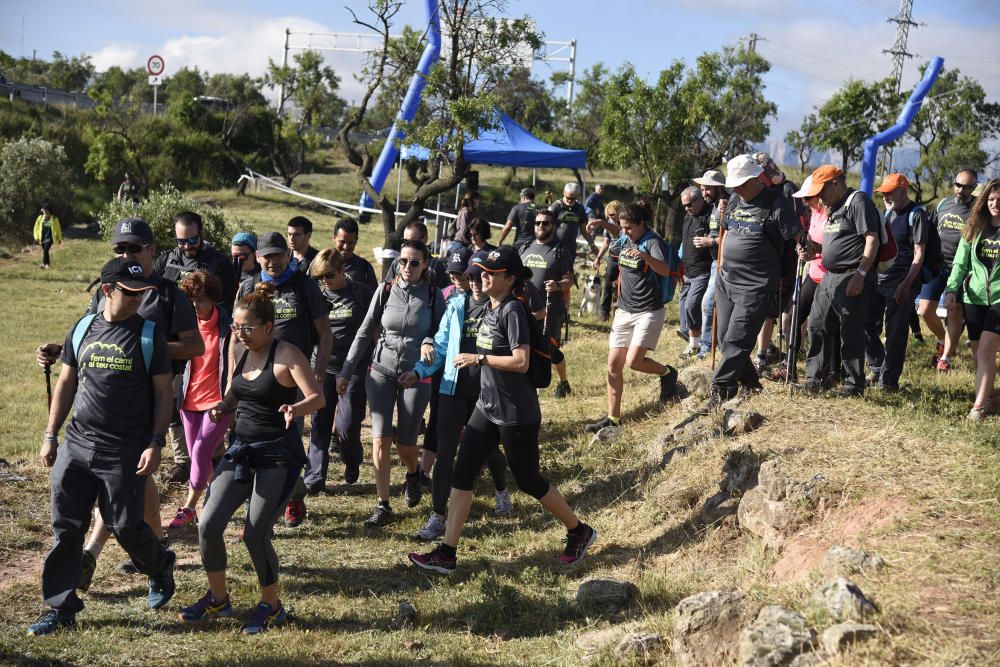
pixel 844 601
pixel 777 505
pixel 643 648
pixel 845 559
pixel 775 638
pixel 696 380
pixel 739 474
pixel 707 627
pixel 838 637
pixel 606 595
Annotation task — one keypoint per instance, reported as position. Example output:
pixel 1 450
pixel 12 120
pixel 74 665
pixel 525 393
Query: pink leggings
pixel 202 436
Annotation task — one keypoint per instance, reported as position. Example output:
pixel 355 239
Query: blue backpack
pixel 83 326
pixel 668 283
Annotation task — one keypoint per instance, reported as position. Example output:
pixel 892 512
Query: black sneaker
pixel 668 384
pixel 161 586
pixel 425 480
pixel 577 545
pixel 51 621
pixel 315 489
pixel 380 516
pixel 412 489
pixel 598 425
pixel 435 561
pixel 87 575
pixel 126 567
pixel 563 389
pixel 351 472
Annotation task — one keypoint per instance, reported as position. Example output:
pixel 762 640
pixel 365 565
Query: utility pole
pixel 752 42
pixel 903 20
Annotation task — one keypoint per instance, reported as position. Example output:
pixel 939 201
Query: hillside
pixel 903 477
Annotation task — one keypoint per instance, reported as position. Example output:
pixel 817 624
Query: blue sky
pixel 812 49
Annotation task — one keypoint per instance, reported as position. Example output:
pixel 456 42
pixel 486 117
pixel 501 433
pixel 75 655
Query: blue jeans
pixel 707 311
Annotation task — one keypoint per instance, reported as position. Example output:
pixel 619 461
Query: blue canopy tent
pixel 510 145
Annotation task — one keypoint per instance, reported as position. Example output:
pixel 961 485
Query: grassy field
pixel 907 478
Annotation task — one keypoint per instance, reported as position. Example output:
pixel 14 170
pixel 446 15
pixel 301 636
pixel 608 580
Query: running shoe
pixel 759 363
pixel 776 374
pixel 563 389
pixel 380 516
pixel 943 365
pixel 938 351
pixel 577 545
pixel 598 425
pixel 773 354
pixel 161 586
pixel 295 512
pixel 184 516
pixel 87 574
pixel 691 350
pixel 435 561
pixel 51 621
pixel 412 490
pixel 351 472
pixel 668 384
pixel 206 609
pixel 315 489
pixel 683 335
pixel 433 529
pixel 977 413
pixel 263 617
pixel 503 503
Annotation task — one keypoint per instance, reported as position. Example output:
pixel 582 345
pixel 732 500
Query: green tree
pixel 69 73
pixel 855 112
pixel 32 171
pixel 526 100
pixel 803 141
pixel 582 122
pixel 182 86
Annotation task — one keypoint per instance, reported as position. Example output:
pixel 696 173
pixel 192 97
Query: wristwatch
pixel 861 272
pixel 481 360
pixel 158 440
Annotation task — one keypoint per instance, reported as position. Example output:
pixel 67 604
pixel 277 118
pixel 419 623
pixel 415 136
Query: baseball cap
pixel 245 238
pixel 806 186
pixel 821 177
pixel 271 242
pixel 475 266
pixel 504 258
pixel 893 182
pixel 711 177
pixel 125 273
pixel 741 169
pixel 458 261
pixel 132 230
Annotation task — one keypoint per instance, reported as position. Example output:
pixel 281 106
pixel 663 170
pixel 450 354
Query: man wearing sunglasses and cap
pixel 194 253
pixel 116 378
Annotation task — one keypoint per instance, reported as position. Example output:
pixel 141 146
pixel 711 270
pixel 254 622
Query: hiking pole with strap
pixel 47 368
pixel 794 331
pixel 715 298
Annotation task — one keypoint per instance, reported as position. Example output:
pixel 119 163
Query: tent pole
pixel 534 178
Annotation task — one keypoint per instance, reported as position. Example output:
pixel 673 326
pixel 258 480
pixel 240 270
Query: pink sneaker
pixel 184 516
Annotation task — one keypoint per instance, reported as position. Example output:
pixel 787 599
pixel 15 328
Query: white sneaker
pixel 691 350
pixel 433 529
pixel 503 502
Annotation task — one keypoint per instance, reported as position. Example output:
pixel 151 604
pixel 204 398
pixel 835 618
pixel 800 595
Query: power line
pixel 938 26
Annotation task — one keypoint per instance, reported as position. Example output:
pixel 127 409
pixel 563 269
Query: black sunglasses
pixel 190 241
pixel 544 223
pixel 131 248
pixel 964 186
pixel 327 276
pixel 129 292
pixel 410 262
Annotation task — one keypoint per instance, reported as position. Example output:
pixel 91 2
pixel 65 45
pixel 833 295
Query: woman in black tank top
pixel 264 462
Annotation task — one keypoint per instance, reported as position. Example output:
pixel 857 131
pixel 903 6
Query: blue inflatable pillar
pixel 408 110
pixel 910 109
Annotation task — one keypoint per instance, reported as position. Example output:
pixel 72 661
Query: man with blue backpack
pixel 648 272
pixel 898 286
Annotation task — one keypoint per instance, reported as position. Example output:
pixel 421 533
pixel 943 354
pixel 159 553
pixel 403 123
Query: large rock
pixel 593 641
pixel 739 474
pixel 844 601
pixel 644 648
pixel 707 626
pixel 846 559
pixel 606 434
pixel 606 595
pixel 838 637
pixel 406 615
pixel 697 380
pixel 777 505
pixel 736 422
pixel 775 638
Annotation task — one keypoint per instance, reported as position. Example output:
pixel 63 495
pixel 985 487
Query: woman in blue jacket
pixel 459 387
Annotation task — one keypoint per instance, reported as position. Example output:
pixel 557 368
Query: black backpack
pixel 540 356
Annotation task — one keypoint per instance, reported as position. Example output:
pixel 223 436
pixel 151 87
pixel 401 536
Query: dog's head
pixel 592 282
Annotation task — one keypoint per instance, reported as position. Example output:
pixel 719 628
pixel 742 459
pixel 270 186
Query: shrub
pixel 159 209
pixel 32 172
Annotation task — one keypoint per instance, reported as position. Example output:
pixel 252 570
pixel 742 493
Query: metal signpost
pixel 155 66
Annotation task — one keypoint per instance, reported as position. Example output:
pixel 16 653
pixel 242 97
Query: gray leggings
pixel 268 492
pixel 384 393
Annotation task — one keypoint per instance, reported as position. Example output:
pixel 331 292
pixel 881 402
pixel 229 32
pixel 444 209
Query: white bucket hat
pixel 711 177
pixel 741 169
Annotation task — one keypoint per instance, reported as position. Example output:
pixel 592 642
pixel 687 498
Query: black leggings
pixel 520 443
pixel 453 413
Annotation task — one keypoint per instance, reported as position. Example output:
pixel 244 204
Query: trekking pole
pixel 794 332
pixel 47 368
pixel 715 298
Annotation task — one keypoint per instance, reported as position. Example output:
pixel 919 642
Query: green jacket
pixel 981 289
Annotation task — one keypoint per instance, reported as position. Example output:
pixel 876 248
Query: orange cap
pixel 893 182
pixel 820 177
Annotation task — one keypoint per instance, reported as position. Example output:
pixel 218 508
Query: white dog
pixel 591 295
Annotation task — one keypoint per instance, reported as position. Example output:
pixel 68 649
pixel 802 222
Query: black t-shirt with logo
pixel 360 270
pixel 568 222
pixel 907 236
pixel 297 303
pixel 348 306
pixel 548 261
pixel 697 261
pixel 469 377
pixel 844 234
pixel 506 398
pixel 523 217
pixel 176 266
pixel 113 406
pixel 756 232
pixel 949 217
pixel 639 290
pixel 988 248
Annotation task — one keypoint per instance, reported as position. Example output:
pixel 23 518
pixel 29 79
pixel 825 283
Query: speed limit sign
pixel 155 65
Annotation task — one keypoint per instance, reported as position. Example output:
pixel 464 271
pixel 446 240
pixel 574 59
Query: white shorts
pixel 636 329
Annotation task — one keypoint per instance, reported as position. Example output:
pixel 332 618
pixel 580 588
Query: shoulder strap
pixel 80 331
pixel 913 211
pixel 940 204
pixel 148 326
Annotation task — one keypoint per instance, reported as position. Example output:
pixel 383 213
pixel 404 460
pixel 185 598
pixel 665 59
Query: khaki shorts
pixel 636 329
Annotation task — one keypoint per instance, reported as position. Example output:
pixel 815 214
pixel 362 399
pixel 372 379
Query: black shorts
pixel 981 318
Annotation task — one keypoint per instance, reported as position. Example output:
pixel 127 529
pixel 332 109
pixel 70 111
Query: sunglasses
pixel 245 329
pixel 543 223
pixel 242 258
pixel 327 276
pixel 191 241
pixel 403 262
pixel 129 292
pixel 130 249
pixel 964 186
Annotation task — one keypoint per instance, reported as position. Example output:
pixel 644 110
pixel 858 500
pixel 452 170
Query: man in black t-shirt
pixel 116 378
pixel 551 273
pixel 897 288
pixel 300 231
pixel 345 240
pixel 758 222
pixel 571 219
pixel 948 219
pixel 194 253
pixel 850 244
pixel 697 247
pixel 522 220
